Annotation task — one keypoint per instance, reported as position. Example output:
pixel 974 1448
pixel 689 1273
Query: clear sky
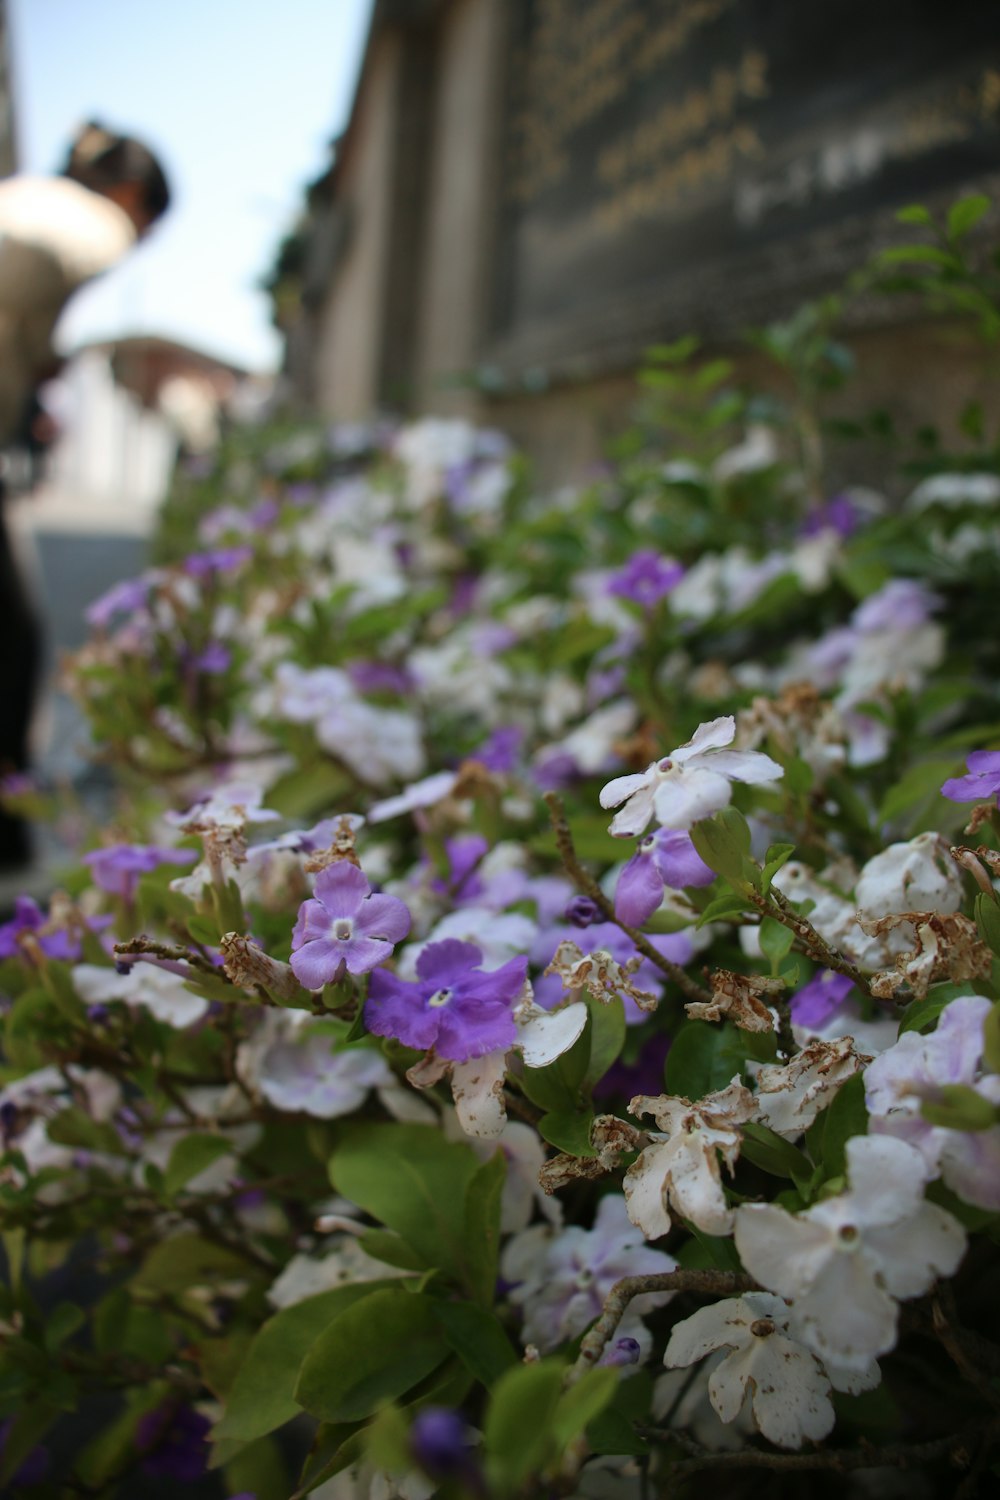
pixel 240 98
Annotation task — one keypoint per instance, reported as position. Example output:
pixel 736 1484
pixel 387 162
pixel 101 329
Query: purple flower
pixel 625 1351
pixel 345 927
pixel 28 917
pixel 644 1076
pixel 117 867
pixel 814 1004
pixel 582 912
pixel 217 560
pixel 917 1070
pixel 838 514
pixel 646 578
pixel 175 1443
pixel 463 882
pixel 454 1006
pixel 215 658
pixel 379 677
pixel 981 784
pixel 900 604
pixel 664 858
pixel 122 598
pixel 440 1439
pixel 500 751
pixel 608 936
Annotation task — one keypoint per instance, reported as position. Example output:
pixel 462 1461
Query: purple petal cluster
pixel 982 782
pixel 664 858
pixel 345 927
pixel 820 999
pixel 646 578
pixel 117 868
pixel 454 1006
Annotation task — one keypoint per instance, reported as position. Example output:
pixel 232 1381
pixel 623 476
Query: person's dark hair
pixel 100 159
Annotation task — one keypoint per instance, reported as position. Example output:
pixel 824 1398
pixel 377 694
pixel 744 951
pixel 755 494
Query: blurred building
pixel 530 192
pixel 8 134
pixel 125 408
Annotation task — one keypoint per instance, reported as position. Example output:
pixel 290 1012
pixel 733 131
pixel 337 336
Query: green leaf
pixel 925 254
pixel 956 1106
pixel 607 1037
pixel 723 841
pixel 722 909
pixel 919 1014
pixel 260 1470
pixel 374 1352
pixel 775 941
pixel 569 1131
pixel 63 1322
pixel 261 1397
pixel 991 1040
pixel 776 856
pixel 482 1227
pixel 847 1116
pixel 917 785
pixel 27 1429
pixel 704 1058
pixel 517 1433
pixel 383 1245
pixel 773 1154
pixel 191 1155
pixel 547 1088
pixel 114 1445
pixel 988 921
pixel 914 213
pixel 412 1180
pixel 582 1403
pixel 186 1260
pixel 478 1338
pixel 966 214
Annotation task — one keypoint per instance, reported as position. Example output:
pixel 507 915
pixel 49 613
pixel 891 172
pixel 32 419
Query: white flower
pixel 498 935
pixel 424 793
pixel 789 1389
pixel 789 1098
pixel 305 1275
pixel 916 876
pixel 690 783
pixel 226 810
pixel 477 1084
pixel 164 994
pixel 561 1278
pixel 844 1262
pixel 379 745
pixel 681 1168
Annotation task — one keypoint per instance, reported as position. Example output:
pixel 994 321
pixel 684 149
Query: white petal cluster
pixel 691 783
pixel 681 1169
pixel 787 1387
pixel 790 1097
pixel 846 1261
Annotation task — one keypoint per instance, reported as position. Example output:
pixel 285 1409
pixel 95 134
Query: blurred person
pixel 56 234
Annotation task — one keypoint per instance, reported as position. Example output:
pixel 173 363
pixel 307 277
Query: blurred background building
pixel 530 192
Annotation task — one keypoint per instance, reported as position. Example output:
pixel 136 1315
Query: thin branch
pixel 589 886
pixel 956 1446
pixel 175 954
pixel 704 1283
pixel 807 939
pixel 964 1348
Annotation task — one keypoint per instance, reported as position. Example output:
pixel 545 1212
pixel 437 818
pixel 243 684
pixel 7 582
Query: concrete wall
pixel 351 327
pixel 453 303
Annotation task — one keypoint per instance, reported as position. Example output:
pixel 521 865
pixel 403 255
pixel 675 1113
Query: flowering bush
pixel 383 1117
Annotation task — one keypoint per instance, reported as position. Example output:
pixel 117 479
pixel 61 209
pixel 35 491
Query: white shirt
pixel 54 236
